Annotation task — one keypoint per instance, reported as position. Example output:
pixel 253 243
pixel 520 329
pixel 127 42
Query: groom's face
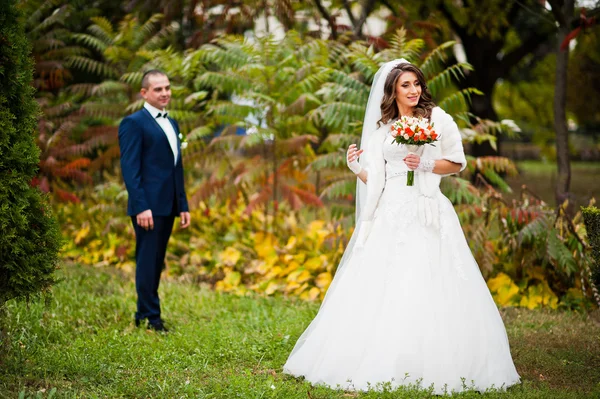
pixel 158 93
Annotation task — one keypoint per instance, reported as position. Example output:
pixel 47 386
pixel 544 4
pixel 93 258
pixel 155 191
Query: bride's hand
pixel 352 158
pixel 412 161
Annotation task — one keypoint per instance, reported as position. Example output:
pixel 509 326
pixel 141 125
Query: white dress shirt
pixel 166 126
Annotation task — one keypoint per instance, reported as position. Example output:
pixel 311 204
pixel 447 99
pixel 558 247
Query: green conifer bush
pixel 29 234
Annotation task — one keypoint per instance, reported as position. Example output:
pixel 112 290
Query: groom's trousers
pixel 150 250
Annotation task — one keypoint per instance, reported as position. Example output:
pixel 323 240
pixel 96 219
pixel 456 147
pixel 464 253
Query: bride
pixel 408 304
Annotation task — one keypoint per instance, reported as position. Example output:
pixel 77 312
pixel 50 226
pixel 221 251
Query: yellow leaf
pixel 311 294
pixel 539 295
pixel 290 268
pixel 300 289
pixel 300 258
pixel 230 256
pixel 315 263
pixel 264 244
pixel 271 288
pixel 323 280
pixel 292 285
pixel 315 226
pixel 274 272
pixel 503 289
pixel 291 244
pixel 81 234
pixel 232 279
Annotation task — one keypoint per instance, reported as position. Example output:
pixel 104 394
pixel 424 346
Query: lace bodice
pixel 394 154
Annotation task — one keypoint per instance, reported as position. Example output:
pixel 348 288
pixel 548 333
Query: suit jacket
pixel 153 179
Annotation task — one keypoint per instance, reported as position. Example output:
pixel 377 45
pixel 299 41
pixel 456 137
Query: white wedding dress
pixel 409 306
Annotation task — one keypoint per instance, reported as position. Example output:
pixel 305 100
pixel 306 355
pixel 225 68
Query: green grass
pixel 83 344
pixel 540 177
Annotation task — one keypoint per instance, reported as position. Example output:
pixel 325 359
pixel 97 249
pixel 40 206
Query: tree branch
pixel 456 27
pixel 349 11
pixel 390 7
pixel 328 17
pixel 527 47
pixel 367 8
pixel 557 11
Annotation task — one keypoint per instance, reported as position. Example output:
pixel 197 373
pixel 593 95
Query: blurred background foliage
pixel 269 93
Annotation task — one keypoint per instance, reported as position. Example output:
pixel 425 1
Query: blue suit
pixel 154 181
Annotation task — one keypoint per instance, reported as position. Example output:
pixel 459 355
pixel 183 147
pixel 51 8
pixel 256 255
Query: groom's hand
pixel 185 219
pixel 144 220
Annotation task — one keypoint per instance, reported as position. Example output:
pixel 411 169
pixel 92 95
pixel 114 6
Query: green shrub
pixel 591 217
pixel 30 238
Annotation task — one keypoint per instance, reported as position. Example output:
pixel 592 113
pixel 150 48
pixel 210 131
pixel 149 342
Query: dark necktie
pixel 162 115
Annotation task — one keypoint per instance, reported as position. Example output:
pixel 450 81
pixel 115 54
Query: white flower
pixel 184 145
pixel 180 136
pixel 272 386
pixel 405 136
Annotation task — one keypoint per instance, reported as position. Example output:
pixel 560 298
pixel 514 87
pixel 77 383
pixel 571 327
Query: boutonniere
pixel 183 141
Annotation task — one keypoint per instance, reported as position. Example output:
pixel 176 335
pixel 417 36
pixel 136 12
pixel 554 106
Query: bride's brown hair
pixel 389 108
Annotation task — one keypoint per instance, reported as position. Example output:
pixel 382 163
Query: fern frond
pixel 341 189
pixel 34 18
pixel 497 164
pixel 538 228
pixel 230 56
pixel 114 110
pixel 91 41
pixel 228 82
pixel 159 39
pixel 435 59
pixel 460 191
pixel 496 180
pixel 307 197
pixel 148 28
pixel 108 87
pixel 365 60
pixel 401 47
pixel 559 254
pixel 135 106
pixel 328 161
pixel 335 141
pixel 56 18
pixel 458 101
pixel 227 112
pixel 91 66
pixel 102 29
pixel 444 79
pixel 338 114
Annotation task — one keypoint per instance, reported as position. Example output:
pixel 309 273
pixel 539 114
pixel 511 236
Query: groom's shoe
pixel 138 322
pixel 157 326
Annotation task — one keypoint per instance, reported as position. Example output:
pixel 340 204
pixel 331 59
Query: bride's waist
pixel 397 184
pixel 394 171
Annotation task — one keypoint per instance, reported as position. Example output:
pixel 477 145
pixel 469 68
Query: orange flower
pixel 409 132
pixel 434 135
pixel 423 137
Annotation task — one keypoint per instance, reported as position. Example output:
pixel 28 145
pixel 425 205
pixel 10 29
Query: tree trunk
pixel 560 101
pixel 483 78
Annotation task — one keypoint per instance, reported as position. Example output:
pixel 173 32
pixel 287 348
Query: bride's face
pixel 408 90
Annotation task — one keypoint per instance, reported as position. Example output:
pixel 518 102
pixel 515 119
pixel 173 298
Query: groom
pixel 153 173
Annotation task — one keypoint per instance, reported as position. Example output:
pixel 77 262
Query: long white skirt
pixel 410 307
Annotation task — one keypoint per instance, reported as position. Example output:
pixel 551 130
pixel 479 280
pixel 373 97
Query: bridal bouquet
pixel 413 132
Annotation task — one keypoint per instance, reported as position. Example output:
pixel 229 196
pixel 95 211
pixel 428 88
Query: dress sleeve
pixel 452 148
